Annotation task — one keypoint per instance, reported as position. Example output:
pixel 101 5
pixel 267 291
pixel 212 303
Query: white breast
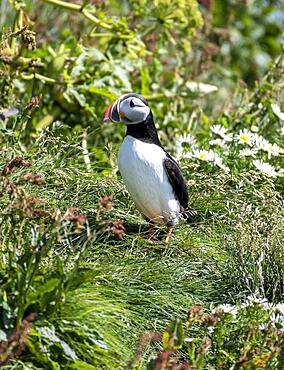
pixel 143 172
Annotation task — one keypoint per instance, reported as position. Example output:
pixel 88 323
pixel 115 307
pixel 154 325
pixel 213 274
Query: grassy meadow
pixel 81 286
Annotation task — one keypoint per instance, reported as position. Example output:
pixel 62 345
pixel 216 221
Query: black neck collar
pixel 144 131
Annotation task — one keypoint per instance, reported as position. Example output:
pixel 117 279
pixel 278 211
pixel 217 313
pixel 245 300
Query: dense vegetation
pixel 80 285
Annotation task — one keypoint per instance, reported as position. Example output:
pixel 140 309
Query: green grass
pixel 77 291
pixel 124 288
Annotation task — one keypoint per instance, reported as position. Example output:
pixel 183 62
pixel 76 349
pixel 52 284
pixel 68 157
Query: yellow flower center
pixel 244 137
pixel 202 156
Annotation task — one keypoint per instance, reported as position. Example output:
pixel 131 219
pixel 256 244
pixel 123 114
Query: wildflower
pixel 260 142
pixel 228 308
pixel 265 168
pixel 273 150
pixel 245 137
pixel 254 128
pixel 219 162
pixel 276 110
pixel 184 139
pixel 280 308
pixel 248 152
pixel 204 155
pixel 210 156
pixel 256 299
pixel 219 142
pixel 221 131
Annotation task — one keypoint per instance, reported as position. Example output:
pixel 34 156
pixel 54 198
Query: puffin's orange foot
pixel 151 232
pixel 169 234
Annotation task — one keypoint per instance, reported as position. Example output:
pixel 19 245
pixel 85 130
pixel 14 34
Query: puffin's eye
pixel 131 104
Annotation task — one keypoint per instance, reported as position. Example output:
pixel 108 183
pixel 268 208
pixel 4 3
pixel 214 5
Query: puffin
pixel 152 177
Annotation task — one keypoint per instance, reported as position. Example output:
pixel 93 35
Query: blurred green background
pixel 78 56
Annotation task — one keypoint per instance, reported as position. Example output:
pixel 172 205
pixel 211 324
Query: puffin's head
pixel 129 108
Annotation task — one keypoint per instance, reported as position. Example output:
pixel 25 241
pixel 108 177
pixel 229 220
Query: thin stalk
pixel 64 4
pixel 80 9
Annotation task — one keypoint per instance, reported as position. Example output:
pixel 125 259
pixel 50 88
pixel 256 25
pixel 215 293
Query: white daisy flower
pixel 276 110
pixel 184 139
pixel 210 156
pixel 256 299
pixel 265 168
pixel 218 130
pixel 245 137
pixel 228 308
pixel 218 141
pixel 221 131
pixel 219 162
pixel 273 150
pixel 260 142
pixel 204 155
pixel 248 152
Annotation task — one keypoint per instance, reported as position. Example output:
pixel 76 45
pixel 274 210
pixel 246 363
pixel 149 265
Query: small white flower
pixel 273 150
pixel 229 309
pixel 260 142
pixel 256 299
pixel 254 128
pixel 248 152
pixel 204 155
pixel 184 139
pixel 280 308
pixel 265 168
pixel 218 141
pixel 210 156
pixel 245 137
pixel 221 131
pixel 277 111
pixel 219 162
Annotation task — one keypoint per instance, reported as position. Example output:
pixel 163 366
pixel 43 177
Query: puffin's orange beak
pixel 107 113
pixel 111 113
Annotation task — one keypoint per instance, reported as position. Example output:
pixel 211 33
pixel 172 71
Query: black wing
pixel 177 181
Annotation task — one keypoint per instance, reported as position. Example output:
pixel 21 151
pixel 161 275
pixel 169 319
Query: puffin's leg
pixel 169 233
pixel 151 231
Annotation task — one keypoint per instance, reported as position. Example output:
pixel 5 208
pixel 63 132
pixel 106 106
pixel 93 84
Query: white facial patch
pixel 132 110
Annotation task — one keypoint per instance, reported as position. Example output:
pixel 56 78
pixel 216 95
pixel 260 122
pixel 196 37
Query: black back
pixel 177 181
